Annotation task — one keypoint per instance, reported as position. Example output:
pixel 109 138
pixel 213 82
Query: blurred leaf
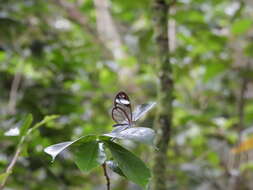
pixel 248 51
pixel 247 166
pixel 213 158
pixel 3 176
pixel 2 56
pixel 26 124
pixel 25 151
pixel 192 16
pixel 44 121
pixel 213 69
pixel 134 168
pixel 241 26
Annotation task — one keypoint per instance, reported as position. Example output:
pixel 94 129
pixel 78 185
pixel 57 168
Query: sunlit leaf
pixel 137 134
pixel 56 149
pixel 12 132
pixel 133 168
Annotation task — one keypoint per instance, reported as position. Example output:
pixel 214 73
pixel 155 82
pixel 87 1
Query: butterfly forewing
pixel 120 116
pixel 122 104
pixel 122 99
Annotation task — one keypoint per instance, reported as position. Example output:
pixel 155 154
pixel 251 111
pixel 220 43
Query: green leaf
pixel 241 26
pixel 134 168
pixel 246 167
pixel 213 69
pixel 89 155
pixel 3 177
pixel 2 56
pixel 26 124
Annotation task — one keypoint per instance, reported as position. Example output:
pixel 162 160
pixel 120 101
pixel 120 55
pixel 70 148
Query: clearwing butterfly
pixel 122 112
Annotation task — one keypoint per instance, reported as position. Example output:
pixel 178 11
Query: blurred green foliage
pixel 62 70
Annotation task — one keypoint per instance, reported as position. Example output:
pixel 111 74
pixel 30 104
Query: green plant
pixel 25 131
pixel 89 151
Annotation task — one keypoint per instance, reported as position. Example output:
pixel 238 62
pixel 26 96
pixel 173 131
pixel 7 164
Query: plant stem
pixel 14 92
pixel 106 176
pixel 12 163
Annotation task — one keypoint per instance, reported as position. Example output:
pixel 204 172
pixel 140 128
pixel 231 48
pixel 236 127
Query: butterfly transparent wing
pixel 120 127
pixel 142 110
pixel 120 116
pixel 127 111
pixel 122 100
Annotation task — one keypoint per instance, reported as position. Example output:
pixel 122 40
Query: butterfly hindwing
pixel 142 110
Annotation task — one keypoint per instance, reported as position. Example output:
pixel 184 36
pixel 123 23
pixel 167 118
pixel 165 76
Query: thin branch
pixel 13 93
pixel 13 162
pixel 107 29
pixel 16 81
pixel 106 176
pixel 241 101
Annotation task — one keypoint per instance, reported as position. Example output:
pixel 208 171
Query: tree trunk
pixel 165 94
